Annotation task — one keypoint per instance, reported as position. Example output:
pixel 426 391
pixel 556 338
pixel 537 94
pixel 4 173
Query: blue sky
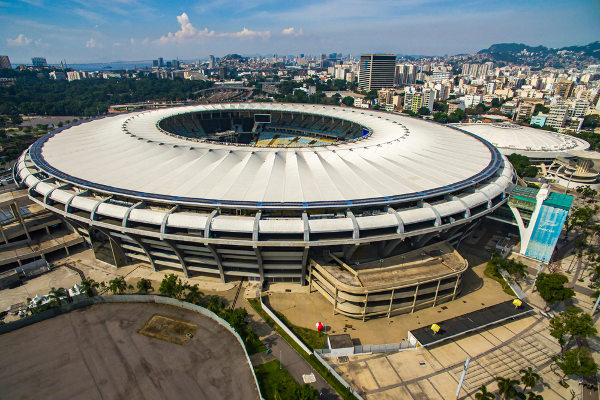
pixel 110 30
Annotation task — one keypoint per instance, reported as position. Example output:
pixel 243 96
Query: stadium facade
pixel 258 190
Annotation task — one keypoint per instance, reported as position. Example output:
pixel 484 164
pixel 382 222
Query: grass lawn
pixel 275 381
pixel 489 272
pixel 310 337
pixel 254 345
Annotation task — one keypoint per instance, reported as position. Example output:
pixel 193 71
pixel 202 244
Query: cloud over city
pixel 188 32
pixel 291 31
pixel 20 40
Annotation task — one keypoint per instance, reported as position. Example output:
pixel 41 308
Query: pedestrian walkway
pixel 293 362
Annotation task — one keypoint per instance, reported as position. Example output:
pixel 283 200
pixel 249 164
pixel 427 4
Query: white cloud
pixel 91 43
pixel 187 31
pixel 20 40
pixel 116 44
pixel 246 34
pixel 132 41
pixel 291 31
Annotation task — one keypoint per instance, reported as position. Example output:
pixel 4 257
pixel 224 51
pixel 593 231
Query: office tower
pixel 5 62
pixel 155 63
pixel 161 62
pixel 211 62
pixel 376 71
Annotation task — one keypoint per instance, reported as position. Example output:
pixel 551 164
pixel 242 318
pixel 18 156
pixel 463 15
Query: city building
pixel 406 74
pixel 39 62
pixel 266 190
pixel 558 115
pixel 58 75
pixel 564 89
pixel 5 62
pixel 539 120
pixel 376 71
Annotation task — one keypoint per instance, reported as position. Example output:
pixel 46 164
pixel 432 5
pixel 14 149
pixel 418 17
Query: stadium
pixel 268 191
pixel 563 159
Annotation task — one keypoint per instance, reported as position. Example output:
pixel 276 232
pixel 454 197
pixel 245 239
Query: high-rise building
pixel 155 63
pixel 376 71
pixel 161 62
pixel 39 61
pixel 406 74
pixel 564 89
pixel 211 62
pixel 5 62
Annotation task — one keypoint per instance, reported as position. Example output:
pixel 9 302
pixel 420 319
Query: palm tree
pixel 117 285
pixel 144 286
pixel 194 295
pixel 483 394
pixel 529 378
pixel 88 285
pixel 508 388
pixel 57 294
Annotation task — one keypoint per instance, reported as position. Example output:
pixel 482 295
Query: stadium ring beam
pixel 251 189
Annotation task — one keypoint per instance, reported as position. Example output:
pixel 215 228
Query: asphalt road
pixel 96 353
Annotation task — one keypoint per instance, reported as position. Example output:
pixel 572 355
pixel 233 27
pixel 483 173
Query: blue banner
pixel 546 232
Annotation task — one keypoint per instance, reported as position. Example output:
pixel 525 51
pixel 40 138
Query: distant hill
pixel 542 56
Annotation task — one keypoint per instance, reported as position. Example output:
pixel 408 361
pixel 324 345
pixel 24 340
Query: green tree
pixel 552 288
pixel 441 117
pixel 16 119
pixel 570 324
pixel 577 361
pixel 529 378
pixel 507 388
pixel 305 392
pixel 193 295
pixel 534 396
pixel 423 111
pixel 540 108
pixel 57 295
pixel 521 163
pixel 171 286
pixel 348 101
pixel 483 394
pixel 215 304
pixel 496 102
pixel 88 285
pixel 587 192
pixel 144 286
pixel 117 285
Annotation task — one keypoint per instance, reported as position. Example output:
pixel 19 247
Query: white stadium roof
pixel 531 142
pixel 128 154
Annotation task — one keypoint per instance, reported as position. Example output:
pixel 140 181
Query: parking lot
pixel 96 353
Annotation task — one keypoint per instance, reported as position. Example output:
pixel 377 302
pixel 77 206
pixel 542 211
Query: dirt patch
pixel 169 329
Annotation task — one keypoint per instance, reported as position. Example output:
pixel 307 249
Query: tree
pixel 483 394
pixel 305 392
pixel 552 288
pixel 496 102
pixel 507 388
pixel 144 286
pixel 577 361
pixel 540 108
pixel 215 304
pixel 587 192
pixel 57 295
pixel 529 378
pixel 371 95
pixel 570 324
pixel 171 286
pixel 441 117
pixel 117 285
pixel 521 163
pixel 348 101
pixel 423 111
pixel 16 119
pixel 88 285
pixel 194 295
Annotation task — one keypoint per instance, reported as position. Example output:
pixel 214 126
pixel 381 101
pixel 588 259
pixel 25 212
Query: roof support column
pixel 126 216
pixel 173 247
pixel 438 218
pixel 163 225
pixel 208 222
pixel 15 210
pixel 304 262
pixel 390 246
pixel 93 216
pixel 356 230
pixel 306 226
pixel 398 218
pixel 256 226
pixel 259 259
pixel 145 249
pixel 68 203
pixel 217 257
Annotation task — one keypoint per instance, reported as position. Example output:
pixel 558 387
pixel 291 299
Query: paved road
pixel 293 362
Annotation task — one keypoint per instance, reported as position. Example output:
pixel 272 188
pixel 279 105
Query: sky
pixel 81 31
